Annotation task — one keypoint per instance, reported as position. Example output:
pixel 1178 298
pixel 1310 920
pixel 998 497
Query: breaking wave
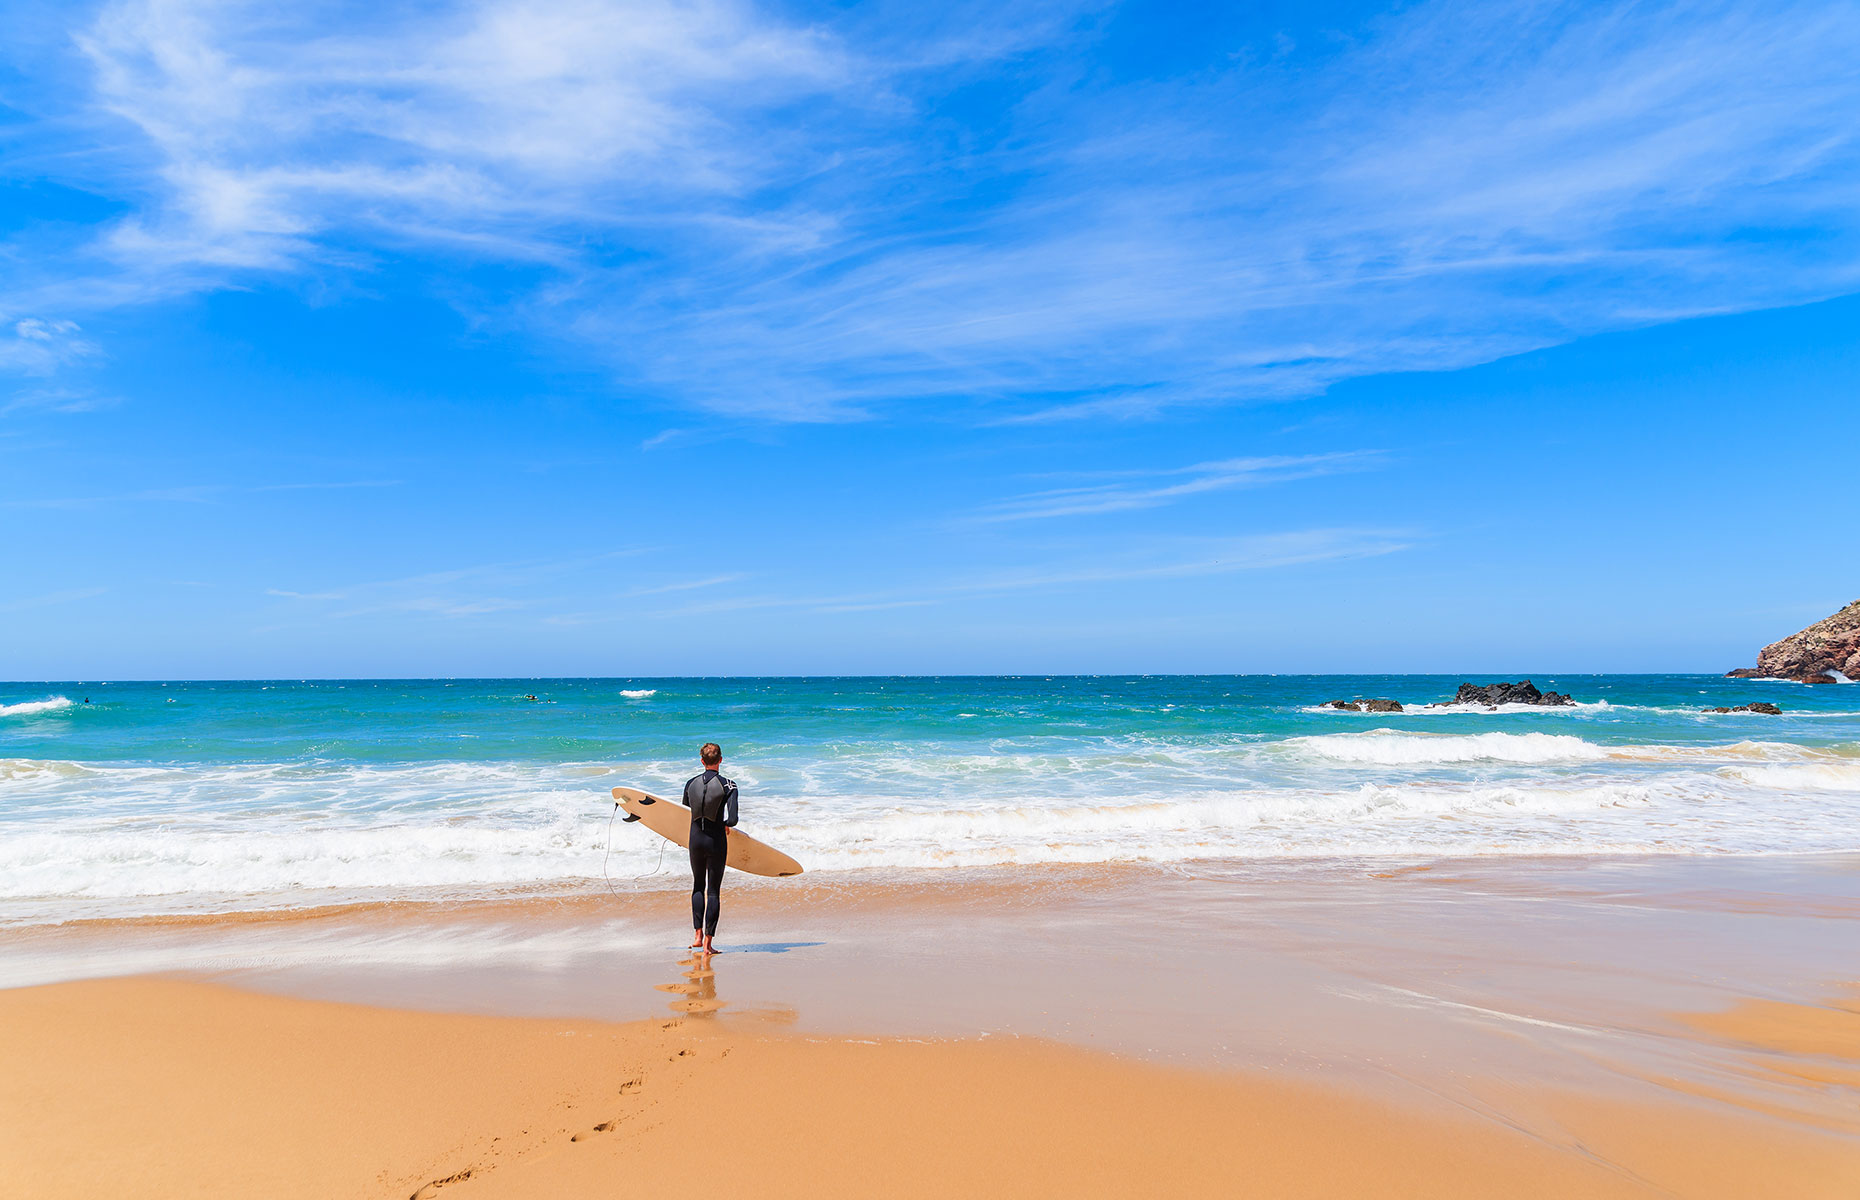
pixel 96 838
pixel 30 707
pixel 1810 776
pixel 1384 747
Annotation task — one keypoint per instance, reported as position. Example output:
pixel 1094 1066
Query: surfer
pixel 712 801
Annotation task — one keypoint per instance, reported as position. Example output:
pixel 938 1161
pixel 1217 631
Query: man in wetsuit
pixel 712 801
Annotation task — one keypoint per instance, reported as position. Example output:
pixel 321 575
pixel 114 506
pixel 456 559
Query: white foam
pixel 1793 777
pixel 1385 747
pixel 115 839
pixel 24 769
pixel 639 693
pixel 560 837
pixel 30 707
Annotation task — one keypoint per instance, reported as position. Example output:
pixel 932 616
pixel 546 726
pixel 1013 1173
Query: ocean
pixel 147 799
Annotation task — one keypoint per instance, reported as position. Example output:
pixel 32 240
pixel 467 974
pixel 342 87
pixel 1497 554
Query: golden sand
pixel 158 1088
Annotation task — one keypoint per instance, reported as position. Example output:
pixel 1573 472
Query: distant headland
pixel 1813 655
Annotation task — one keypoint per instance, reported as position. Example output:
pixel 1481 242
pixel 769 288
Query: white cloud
pixel 1475 181
pixel 56 400
pixel 1206 556
pixel 1152 489
pixel 681 585
pixel 742 213
pixel 1172 558
pixel 482 589
pixel 39 346
pixel 510 124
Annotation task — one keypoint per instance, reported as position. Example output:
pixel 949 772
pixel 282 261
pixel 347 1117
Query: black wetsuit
pixel 712 801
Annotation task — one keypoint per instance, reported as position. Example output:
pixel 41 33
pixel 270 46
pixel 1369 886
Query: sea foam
pixel 86 839
pixel 280 795
pixel 1810 776
pixel 29 707
pixel 1384 747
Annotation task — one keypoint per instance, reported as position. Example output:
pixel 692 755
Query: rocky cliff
pixel 1811 655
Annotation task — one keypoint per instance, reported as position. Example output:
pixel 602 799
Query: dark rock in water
pixel 1761 706
pixel 1812 655
pixel 1347 705
pixel 1381 706
pixel 1494 694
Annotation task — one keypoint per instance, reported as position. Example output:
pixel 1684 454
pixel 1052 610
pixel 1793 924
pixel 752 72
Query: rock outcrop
pixel 1366 705
pixel 1495 694
pixel 1812 655
pixel 1761 706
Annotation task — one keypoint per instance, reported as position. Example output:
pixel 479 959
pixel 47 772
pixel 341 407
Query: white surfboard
pixel 672 821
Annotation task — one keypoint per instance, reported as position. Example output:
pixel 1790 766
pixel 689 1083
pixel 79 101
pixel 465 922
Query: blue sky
pixel 590 338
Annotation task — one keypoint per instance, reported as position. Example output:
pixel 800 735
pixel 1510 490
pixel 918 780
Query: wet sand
pixel 1587 1025
pixel 165 1088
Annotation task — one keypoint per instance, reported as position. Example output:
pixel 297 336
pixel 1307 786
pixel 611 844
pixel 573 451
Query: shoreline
pixel 1552 1026
pixel 235 798
pixel 162 1088
pixel 1392 977
pixel 591 893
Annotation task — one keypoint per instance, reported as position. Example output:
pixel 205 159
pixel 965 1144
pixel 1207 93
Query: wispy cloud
pixel 56 400
pixel 1170 559
pixel 38 346
pixel 496 126
pixel 1152 489
pixel 663 437
pixel 736 211
pixel 479 589
pixel 682 585
pixel 1449 191
pixel 619 610
pixel 1253 552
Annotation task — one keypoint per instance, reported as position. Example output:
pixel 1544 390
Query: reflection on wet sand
pixel 698 992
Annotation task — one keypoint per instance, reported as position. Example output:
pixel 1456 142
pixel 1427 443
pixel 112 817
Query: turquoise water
pixel 158 797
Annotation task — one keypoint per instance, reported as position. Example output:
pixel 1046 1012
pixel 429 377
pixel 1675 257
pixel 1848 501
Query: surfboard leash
pixel 608 853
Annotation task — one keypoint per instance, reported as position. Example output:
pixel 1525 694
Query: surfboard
pixel 672 821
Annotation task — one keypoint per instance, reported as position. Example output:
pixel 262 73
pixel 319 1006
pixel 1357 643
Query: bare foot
pixel 697 943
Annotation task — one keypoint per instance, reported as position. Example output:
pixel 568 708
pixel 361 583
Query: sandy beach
pixel 636 598
pixel 1084 937
pixel 1467 1029
pixel 163 1088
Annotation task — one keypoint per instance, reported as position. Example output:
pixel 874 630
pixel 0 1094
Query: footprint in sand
pixel 432 1189
pixel 603 1127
